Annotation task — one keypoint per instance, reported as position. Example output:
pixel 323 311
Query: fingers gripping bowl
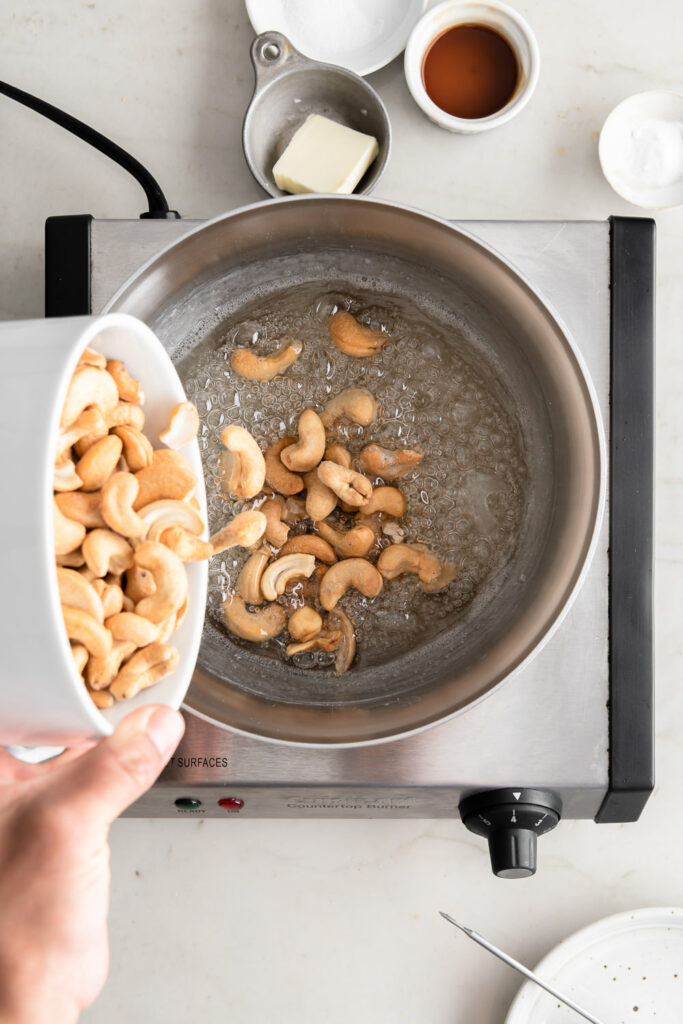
pixel 205 285
pixel 43 699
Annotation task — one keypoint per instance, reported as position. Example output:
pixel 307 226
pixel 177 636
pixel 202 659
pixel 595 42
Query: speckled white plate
pixel 625 969
pixel 361 35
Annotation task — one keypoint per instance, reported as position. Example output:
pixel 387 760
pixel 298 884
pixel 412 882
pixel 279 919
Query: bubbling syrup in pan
pixel 466 499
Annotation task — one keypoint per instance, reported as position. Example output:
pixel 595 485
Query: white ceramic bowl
pixel 619 135
pixel 359 36
pixel 42 698
pixel 508 23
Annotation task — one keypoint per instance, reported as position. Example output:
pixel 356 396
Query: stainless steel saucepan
pixel 318 239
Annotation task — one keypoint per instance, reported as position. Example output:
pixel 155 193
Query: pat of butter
pixel 324 156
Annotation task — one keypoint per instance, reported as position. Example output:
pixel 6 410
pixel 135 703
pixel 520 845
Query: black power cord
pixel 158 205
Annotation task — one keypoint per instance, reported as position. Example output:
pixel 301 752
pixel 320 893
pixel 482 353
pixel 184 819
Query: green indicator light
pixel 188 801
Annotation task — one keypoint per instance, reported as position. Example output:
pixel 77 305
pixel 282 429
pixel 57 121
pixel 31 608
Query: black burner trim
pixel 67 265
pixel 632 245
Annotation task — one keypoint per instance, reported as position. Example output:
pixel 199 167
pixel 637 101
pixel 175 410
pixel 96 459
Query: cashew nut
pixel 81 507
pixel 356 339
pixel 400 558
pixel 309 544
pixel 310 448
pixel 137 449
pixel 337 619
pixel 356 404
pixel 65 478
pixel 323 642
pixel 183 424
pixel 159 515
pixel 186 545
pixel 90 422
pixel 144 668
pixel 350 572
pixel 353 543
pixel 351 487
pixel 86 630
pixel 116 504
pixel 80 655
pixel 99 672
pixel 73 560
pixel 278 477
pixel 111 596
pixel 385 499
pixel 447 573
pixel 388 464
pixel 169 476
pixel 76 592
pixel 181 613
pixel 247 363
pixel 99 462
pixel 279 573
pixel 338 453
pixel 93 358
pixel 305 623
pixel 129 390
pixel 126 414
pixel 170 580
pixel 132 627
pixel 89 386
pixel 276 531
pixel 87 441
pixel 68 535
pixel 245 467
pixel 249 582
pixel 102 699
pixel 255 626
pixel 245 530
pixel 320 500
pixel 139 583
pixel 104 551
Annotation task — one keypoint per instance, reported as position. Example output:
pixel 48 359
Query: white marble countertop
pixel 298 921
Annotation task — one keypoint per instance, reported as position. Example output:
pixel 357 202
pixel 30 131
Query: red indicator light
pixel 231 803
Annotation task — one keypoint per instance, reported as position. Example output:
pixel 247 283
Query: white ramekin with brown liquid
pixel 471 66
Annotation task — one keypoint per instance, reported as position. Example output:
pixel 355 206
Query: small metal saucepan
pixel 288 88
pixel 316 239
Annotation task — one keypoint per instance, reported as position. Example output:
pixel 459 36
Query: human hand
pixel 54 864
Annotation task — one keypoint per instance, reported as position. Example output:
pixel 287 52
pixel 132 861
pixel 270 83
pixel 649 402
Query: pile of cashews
pixel 125 521
pixel 299 483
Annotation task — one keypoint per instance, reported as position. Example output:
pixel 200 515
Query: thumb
pixel 109 777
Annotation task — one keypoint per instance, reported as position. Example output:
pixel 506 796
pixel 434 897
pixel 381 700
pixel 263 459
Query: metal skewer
pixel 522 969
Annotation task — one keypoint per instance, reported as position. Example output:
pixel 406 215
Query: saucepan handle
pixel 271 54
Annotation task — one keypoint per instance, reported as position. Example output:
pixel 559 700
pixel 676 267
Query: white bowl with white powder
pixel 641 149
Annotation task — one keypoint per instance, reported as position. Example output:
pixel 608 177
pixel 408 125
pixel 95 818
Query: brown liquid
pixel 470 71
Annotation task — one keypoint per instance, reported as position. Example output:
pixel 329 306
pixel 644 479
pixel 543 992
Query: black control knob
pixel 511 820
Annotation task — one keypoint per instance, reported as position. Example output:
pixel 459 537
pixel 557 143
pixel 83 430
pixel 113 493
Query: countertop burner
pixel 571 735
